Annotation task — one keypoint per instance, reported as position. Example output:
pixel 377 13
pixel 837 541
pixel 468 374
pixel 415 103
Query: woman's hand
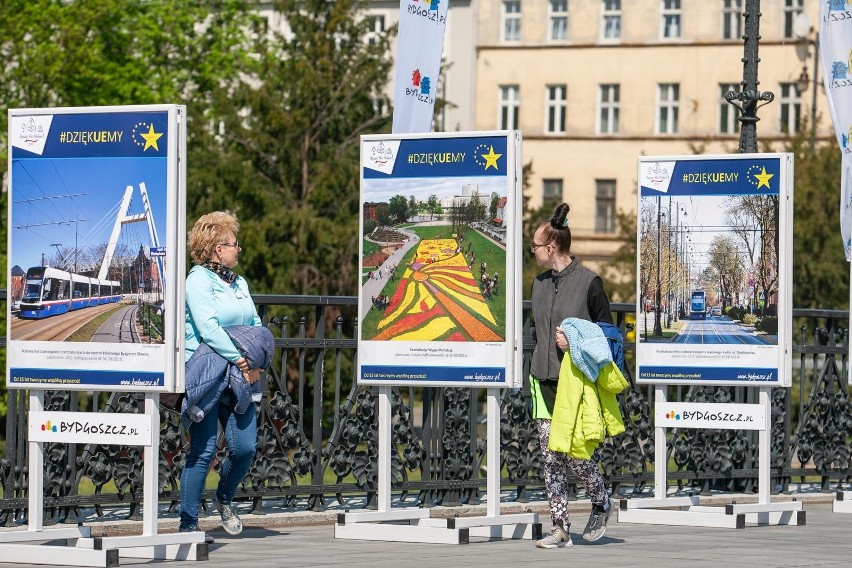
pixel 561 339
pixel 252 375
pixel 242 365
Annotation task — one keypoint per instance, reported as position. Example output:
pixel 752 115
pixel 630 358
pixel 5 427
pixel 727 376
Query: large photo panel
pixel 440 227
pixel 94 233
pixel 714 269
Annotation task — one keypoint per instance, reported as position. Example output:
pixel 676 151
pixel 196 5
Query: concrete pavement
pixel 286 539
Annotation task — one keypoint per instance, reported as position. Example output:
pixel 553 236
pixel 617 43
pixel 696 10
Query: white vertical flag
pixel 418 63
pixel 835 44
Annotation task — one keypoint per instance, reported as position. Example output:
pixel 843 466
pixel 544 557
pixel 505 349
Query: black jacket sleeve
pixel 597 302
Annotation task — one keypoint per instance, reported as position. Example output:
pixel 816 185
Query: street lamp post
pixel 658 330
pixel 669 269
pixel 746 100
pixel 801 29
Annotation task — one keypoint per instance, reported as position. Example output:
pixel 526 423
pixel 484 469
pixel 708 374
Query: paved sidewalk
pixel 823 541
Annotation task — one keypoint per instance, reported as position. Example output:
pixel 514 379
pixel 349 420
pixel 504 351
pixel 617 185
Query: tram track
pixel 56 328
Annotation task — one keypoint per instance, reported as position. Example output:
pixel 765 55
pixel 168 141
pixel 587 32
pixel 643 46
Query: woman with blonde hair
pixel 217 298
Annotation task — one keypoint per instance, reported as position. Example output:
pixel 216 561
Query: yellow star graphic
pixel 763 178
pixel 491 158
pixel 151 138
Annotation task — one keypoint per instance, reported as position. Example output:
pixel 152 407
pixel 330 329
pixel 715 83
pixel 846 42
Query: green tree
pixel 398 208
pixel 433 206
pixel 288 162
pixel 412 206
pixel 820 270
pixel 110 52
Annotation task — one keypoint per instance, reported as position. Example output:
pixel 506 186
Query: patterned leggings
pixel 556 466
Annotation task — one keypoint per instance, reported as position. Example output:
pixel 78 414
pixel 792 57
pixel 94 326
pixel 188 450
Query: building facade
pixel 593 84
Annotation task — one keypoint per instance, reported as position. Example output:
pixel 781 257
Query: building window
pixel 555 109
pixel 667 111
pixel 509 105
pixel 551 191
pixel 671 18
pixel 558 20
pixel 512 20
pixel 791 108
pixel 792 8
pixel 608 103
pixel 732 19
pixel 605 206
pixel 728 123
pixel 611 27
pixel 375 26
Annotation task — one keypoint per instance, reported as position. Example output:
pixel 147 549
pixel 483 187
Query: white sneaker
pixel 558 538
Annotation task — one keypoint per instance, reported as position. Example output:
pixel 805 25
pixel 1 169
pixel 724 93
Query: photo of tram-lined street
pixel 87 265
pixel 432 267
pixel 709 270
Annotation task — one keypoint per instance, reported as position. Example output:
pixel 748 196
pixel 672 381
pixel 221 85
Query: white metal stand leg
pixel 686 511
pixel 842 502
pixel 421 526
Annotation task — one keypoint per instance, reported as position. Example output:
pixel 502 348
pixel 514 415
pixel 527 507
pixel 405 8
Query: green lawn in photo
pixel 483 248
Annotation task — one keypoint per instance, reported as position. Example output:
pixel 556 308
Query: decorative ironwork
pixel 317 430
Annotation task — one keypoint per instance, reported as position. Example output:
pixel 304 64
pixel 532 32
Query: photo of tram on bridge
pixel 49 292
pixel 96 248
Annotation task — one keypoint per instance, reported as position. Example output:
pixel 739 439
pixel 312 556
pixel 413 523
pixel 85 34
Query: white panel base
pixel 19 535
pixel 656 503
pixel 401 533
pixel 57 555
pixel 842 502
pixel 422 528
pixel 730 516
pixel 682 518
pixel 173 546
pixel 379 516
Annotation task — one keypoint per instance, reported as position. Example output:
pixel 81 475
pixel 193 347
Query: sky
pixel 98 185
pixel 381 190
pixel 704 217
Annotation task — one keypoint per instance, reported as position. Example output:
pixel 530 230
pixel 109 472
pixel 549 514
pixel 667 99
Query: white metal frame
pixel 686 511
pixel 83 549
pixel 421 527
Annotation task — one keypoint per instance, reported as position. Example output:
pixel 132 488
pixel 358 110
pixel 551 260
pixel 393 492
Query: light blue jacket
pixel 211 305
pixel 588 346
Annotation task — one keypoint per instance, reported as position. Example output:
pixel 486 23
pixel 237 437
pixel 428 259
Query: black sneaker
pixel 596 527
pixel 194 528
pixel 230 520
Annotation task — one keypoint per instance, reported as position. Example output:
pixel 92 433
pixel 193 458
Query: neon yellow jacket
pixel 585 412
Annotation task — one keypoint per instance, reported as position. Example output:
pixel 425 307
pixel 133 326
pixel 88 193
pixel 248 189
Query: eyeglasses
pixel 534 246
pixel 235 244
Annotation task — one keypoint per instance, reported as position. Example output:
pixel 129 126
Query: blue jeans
pixel 241 437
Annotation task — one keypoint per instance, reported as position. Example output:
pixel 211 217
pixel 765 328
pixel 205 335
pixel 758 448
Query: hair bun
pixel 559 219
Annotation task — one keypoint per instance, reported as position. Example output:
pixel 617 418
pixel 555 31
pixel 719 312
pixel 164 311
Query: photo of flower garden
pixel 435 279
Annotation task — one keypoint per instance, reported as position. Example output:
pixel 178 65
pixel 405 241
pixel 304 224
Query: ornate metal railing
pixel 317 429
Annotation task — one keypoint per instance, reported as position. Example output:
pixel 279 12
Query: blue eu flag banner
pixel 835 44
pixel 418 63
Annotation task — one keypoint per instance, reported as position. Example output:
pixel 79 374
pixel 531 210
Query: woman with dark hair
pixel 564 290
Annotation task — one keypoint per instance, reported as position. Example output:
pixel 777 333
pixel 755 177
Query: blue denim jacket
pixel 209 375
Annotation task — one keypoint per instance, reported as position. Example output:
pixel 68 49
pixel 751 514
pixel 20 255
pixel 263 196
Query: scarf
pixel 223 272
